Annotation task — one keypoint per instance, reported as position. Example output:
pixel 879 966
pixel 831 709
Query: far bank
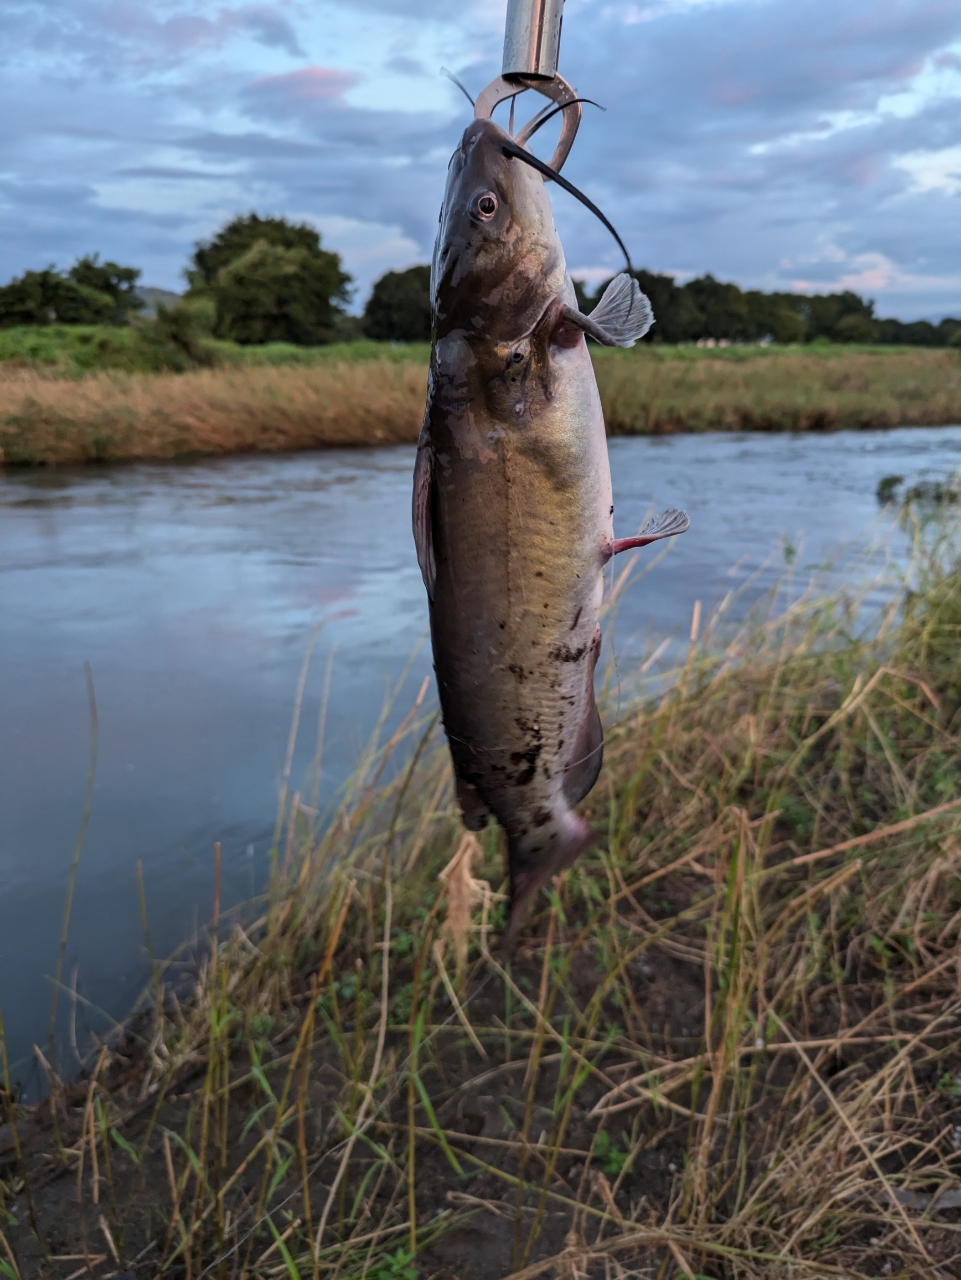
pixel 268 400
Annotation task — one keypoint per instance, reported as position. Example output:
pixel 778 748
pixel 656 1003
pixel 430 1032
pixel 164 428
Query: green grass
pixel 278 353
pixel 77 349
pixel 727 1046
pixel 73 350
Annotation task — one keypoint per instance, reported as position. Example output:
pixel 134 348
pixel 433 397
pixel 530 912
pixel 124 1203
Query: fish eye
pixel 483 205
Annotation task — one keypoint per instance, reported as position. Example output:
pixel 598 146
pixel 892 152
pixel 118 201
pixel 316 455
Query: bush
pixel 179 337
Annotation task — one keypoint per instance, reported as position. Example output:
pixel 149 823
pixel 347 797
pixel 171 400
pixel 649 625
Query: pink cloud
pixel 309 84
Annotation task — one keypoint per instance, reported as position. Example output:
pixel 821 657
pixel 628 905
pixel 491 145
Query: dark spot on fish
pixel 542 817
pixel 526 775
pixel 611 512
pixel 538 574
pixel 517 671
pixel 577 617
pixel 502 625
pixel 564 653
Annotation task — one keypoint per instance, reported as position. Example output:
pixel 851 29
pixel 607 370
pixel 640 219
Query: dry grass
pixel 107 417
pixel 113 416
pixel 729 1046
pixel 788 389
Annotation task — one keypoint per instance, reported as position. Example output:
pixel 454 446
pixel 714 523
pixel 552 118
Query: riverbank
pixel 363 393
pixel 727 1046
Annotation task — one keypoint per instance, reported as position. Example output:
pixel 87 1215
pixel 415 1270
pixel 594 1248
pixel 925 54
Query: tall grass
pixel 368 393
pixel 728 1047
pixel 780 389
pixel 107 417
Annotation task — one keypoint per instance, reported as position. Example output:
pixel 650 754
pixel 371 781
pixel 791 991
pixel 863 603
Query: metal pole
pixel 532 38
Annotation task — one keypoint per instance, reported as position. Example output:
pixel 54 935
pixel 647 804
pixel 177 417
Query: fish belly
pixel 520 512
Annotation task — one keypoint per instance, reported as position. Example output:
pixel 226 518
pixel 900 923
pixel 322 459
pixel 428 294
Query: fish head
pixel 498 259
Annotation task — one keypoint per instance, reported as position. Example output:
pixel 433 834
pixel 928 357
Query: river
pixel 192 590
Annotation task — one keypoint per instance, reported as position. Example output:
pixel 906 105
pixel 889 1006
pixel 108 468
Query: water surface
pixel 192 590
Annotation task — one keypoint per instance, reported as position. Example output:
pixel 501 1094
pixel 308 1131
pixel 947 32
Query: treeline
pixel 258 280
pixel 706 308
pixel 261 280
pixel 91 292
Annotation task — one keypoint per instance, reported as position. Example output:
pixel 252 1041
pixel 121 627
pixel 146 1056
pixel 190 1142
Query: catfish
pixel 512 507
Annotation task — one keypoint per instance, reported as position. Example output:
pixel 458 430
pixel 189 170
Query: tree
pixel 272 294
pixel 676 317
pixel 399 307
pixel 774 316
pixel 270 281
pixel 91 292
pixel 116 282
pixel 842 317
pixel 242 233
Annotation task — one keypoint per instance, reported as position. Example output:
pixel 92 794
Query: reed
pixel 728 1045
pixel 663 389
pixel 348 396
pixel 110 417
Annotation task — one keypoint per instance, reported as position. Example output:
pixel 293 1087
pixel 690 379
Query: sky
pixel 807 145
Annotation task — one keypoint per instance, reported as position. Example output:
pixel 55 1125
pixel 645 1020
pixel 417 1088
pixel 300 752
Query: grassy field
pixel 727 1047
pixel 276 397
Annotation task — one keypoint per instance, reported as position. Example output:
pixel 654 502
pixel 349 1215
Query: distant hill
pixel 156 297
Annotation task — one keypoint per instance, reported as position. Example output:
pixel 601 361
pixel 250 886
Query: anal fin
pixel 668 524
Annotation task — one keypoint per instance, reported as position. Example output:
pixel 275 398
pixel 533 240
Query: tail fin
pixel 534 858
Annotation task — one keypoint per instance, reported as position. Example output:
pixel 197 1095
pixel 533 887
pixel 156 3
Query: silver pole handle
pixel 532 38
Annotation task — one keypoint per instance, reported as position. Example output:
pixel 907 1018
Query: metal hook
pixel 557 89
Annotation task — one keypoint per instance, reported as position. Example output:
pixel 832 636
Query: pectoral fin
pixel 621 317
pixel 422 518
pixel 667 525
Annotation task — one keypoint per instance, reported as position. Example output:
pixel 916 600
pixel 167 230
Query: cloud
pixel 933 170
pixel 109 35
pixel 309 86
pixel 779 143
